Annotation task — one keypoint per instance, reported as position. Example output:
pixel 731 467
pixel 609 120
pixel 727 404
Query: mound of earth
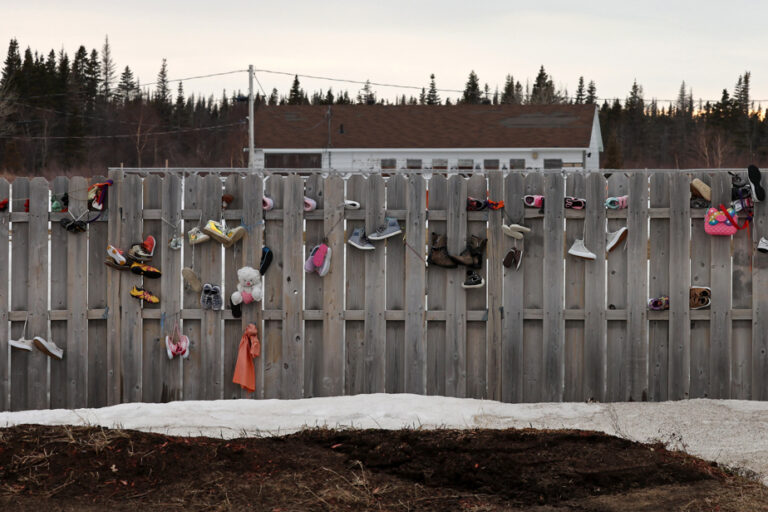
pixel 86 468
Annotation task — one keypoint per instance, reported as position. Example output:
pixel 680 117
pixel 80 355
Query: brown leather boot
pixel 472 255
pixel 438 252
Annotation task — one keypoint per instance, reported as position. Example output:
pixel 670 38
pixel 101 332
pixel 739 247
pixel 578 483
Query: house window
pixel 517 163
pixel 465 163
pixel 439 163
pixel 293 161
pixel 553 163
pixel 388 163
pixel 490 164
pixel 413 163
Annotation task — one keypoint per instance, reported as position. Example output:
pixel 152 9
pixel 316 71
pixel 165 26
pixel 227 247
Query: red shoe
pixel 149 245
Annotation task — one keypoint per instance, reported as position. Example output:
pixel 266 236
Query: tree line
pixel 79 115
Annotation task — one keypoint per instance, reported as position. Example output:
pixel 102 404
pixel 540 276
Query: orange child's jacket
pixel 250 347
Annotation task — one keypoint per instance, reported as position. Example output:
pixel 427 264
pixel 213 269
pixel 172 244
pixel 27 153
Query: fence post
pixel 5 377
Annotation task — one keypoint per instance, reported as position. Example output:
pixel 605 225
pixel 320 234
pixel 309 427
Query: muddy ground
pixel 87 468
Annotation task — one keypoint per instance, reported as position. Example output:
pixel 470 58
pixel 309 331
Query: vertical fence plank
pixel 38 379
pixel 77 293
pixel 741 330
pixel 496 244
pixel 456 310
pixel 114 282
pixel 437 280
pixel 253 218
pixel 5 354
pixel 415 361
pixel 658 285
pixel 192 366
pixel 700 276
pixel 395 288
pixel 210 325
pixel 375 299
pixel 233 260
pixel 637 289
pixel 97 298
pixel 476 298
pixel 272 340
pixel 720 316
pixel 130 307
pixel 292 381
pixel 595 350
pixel 153 351
pixel 62 243
pixel 20 295
pixel 759 308
pixel 170 284
pixel 554 323
pixel 679 286
pixel 513 300
pixel 533 298
pixel 574 298
pixel 616 333
pixel 354 330
pixel 330 380
pixel 313 293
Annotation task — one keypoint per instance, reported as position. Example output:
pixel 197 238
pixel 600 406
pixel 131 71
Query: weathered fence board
pixel 574 299
pixel 560 328
pixel 61 245
pixel 395 288
pixel 5 348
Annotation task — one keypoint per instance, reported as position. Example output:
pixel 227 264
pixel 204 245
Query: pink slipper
pixel 267 203
pixel 319 257
pixel 534 201
pixel 309 204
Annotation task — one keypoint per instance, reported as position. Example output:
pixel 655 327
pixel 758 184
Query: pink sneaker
pixel 149 245
pixel 534 201
pixel 319 255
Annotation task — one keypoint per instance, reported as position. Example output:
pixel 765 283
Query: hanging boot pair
pixel 472 256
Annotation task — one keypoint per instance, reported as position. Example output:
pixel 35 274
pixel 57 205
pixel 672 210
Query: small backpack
pixel 722 222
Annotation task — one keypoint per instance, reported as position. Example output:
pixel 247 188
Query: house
pixel 379 137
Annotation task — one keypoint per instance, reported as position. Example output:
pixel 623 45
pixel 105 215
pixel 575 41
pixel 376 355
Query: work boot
pixel 472 256
pixel 438 252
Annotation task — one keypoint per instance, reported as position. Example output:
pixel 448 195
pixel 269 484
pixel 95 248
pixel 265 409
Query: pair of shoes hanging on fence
pixel 362 241
pixel 517 231
pixel 210 297
pixel 177 344
pixel 612 240
pixel 569 202
pixel 48 348
pixel 218 231
pixel 617 203
pixel 513 258
pixel 59 203
pixel 699 297
pixel 319 260
pixel 471 256
pixel 474 205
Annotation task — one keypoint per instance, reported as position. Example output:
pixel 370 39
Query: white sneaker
pixel 21 344
pixel 512 231
pixel 762 245
pixel 612 240
pixel 48 348
pixel 579 250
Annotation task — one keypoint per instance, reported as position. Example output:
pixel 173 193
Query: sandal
pixel 575 203
pixel 660 304
pixel 534 201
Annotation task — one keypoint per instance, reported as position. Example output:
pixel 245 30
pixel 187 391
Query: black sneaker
pixel 473 280
pixel 758 192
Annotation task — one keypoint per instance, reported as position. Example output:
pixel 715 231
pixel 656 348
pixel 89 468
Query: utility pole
pixel 251 157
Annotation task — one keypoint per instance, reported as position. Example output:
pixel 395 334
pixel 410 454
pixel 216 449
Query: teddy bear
pixel 248 289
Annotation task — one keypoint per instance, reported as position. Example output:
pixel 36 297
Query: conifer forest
pixel 82 113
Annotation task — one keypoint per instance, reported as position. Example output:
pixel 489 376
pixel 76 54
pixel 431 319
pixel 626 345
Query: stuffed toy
pixel 248 289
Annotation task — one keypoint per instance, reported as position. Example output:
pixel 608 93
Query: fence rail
pixel 557 329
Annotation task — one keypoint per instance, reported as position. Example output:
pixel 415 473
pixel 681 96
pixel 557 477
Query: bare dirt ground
pixel 87 468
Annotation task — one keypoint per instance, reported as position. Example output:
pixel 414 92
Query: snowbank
pixel 731 432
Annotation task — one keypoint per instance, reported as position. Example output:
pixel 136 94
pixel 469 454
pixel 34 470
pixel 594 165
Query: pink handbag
pixel 717 222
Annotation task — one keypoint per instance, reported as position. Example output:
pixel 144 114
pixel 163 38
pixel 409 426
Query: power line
pixel 198 76
pixel 122 136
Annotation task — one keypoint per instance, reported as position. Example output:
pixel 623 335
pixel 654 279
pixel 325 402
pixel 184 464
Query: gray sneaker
pixel 359 240
pixel 391 228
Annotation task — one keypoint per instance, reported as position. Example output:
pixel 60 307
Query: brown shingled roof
pixel 421 126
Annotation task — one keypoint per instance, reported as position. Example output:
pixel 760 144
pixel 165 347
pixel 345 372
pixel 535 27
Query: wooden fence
pixel 557 329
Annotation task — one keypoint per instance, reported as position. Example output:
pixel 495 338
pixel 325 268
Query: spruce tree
pixel 423 97
pixel 543 91
pixel 472 92
pixel 329 97
pixel 107 71
pixel 92 79
pixel 432 97
pixel 11 66
pixel 79 65
pixel 296 95
pixel 580 94
pixel 508 93
pixel 127 86
pixel 591 98
pixel 366 96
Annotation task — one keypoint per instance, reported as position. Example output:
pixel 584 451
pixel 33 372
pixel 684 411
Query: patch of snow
pixel 729 432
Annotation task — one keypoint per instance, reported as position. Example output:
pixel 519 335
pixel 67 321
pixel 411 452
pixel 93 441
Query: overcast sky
pixel 660 43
